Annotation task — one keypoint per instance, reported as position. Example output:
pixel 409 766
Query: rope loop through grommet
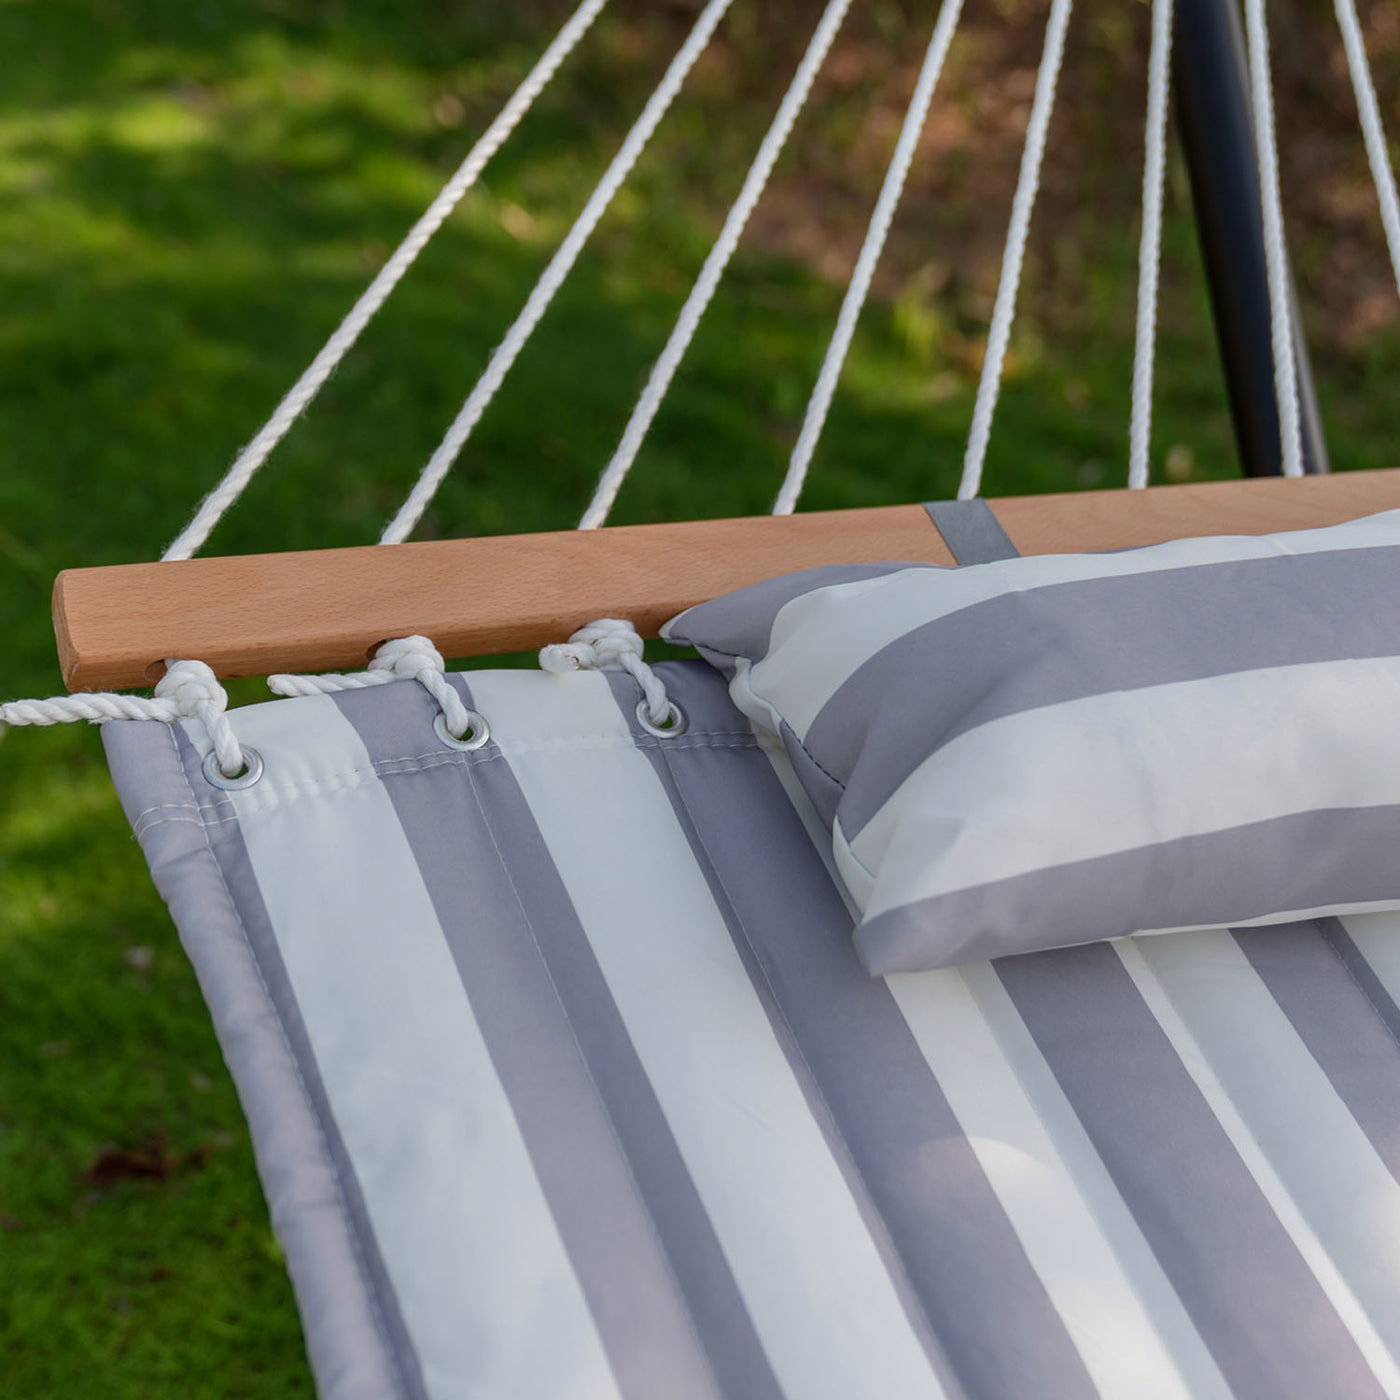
pixel 613 644
pixel 194 690
pixel 413 658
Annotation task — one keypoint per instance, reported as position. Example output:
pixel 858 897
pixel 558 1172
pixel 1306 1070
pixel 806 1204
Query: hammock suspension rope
pixel 214 506
pixel 1275 253
pixel 440 463
pixel 1150 249
pixel 858 290
pixel 1368 109
pixel 1004 312
pixel 718 259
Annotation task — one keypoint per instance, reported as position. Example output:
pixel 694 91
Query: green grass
pixel 190 197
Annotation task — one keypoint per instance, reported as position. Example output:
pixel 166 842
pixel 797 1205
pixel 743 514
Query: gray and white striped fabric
pixel 565 1081
pixel 1036 752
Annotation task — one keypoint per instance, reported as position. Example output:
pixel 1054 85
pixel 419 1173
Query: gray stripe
pixel 971 531
pixel 943 1232
pixel 1361 971
pixel 1067 641
pixel 1309 969
pixel 1233 876
pixel 355 1333
pixel 657 1283
pixel 740 623
pixel 1257 1306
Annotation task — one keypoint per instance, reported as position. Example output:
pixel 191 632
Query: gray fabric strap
pixel 971 531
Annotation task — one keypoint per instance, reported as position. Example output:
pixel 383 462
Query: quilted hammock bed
pixel 565 1080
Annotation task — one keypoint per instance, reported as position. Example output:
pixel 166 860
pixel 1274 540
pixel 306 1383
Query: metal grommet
pixel 676 722
pixel 478 733
pixel 216 777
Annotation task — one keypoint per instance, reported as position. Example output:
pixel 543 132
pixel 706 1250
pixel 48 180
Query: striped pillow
pixel 1058 749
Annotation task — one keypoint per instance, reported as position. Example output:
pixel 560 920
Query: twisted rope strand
pixel 895 176
pixel 1275 253
pixel 412 658
pixel 212 509
pixel 440 463
pixel 1368 109
pixel 1027 187
pixel 1150 249
pixel 615 473
pixel 187 690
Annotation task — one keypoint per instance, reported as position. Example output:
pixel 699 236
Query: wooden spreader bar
pixel 250 615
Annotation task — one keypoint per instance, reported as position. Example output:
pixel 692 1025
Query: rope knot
pixel 611 644
pixel 417 659
pixel 194 691
pixel 188 685
pixel 408 658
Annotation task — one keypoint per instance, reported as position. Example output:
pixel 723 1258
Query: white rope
pixel 689 320
pixel 1150 249
pixel 403 659
pixel 610 644
pixel 1275 254
pixel 440 463
pixel 1376 149
pixel 820 403
pixel 1027 187
pixel 252 457
pixel 187 690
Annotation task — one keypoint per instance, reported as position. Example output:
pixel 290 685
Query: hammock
pixel 540 989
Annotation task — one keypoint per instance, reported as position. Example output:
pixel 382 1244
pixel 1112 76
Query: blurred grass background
pixel 191 195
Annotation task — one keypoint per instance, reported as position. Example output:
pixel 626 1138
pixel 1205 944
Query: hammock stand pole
pixel 1211 79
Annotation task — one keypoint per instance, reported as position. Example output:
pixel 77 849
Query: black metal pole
pixel 1211 79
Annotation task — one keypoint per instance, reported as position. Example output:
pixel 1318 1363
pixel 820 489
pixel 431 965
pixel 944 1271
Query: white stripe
pixel 1121 1313
pixel 1111 773
pixel 1256 1156
pixel 849 623
pixel 486 1288
pixel 823 1305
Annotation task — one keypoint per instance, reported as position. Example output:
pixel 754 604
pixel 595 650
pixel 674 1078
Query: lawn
pixel 191 195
